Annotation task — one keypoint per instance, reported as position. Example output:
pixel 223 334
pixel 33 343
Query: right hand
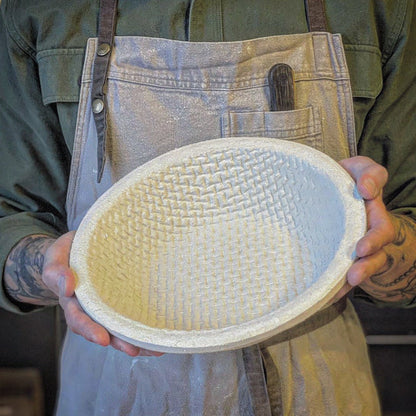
pixel 60 279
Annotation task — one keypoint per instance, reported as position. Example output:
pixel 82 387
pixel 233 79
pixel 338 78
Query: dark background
pixel 34 341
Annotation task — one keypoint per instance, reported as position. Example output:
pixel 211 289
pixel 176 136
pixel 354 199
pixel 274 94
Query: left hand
pixel 370 178
pixel 60 279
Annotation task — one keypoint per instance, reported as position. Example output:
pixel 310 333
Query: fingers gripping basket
pixel 218 245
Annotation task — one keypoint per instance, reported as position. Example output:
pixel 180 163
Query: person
pixel 49 179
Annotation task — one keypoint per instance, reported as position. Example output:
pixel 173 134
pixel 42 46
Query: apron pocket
pixel 302 125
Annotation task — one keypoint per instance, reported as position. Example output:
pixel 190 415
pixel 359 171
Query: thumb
pixel 369 175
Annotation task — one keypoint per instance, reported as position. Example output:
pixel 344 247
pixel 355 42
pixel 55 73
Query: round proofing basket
pixel 218 245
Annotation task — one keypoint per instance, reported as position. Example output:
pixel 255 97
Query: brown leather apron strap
pixel 256 382
pixel 106 28
pixel 315 13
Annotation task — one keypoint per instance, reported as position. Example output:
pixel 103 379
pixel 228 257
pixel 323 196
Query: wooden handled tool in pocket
pixel 282 91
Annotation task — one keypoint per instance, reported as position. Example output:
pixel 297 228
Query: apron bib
pixel 162 94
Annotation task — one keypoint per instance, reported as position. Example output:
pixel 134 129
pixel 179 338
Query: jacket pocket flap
pixel 52 65
pixel 364 64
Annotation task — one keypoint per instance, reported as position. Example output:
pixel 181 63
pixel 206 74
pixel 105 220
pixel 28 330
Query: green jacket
pixel 41 58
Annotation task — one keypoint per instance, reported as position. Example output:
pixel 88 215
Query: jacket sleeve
pixel 389 134
pixel 34 159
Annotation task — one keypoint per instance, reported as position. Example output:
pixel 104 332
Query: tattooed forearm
pixel 396 281
pixel 23 272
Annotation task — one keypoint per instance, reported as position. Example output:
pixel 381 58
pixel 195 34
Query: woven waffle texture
pixel 212 239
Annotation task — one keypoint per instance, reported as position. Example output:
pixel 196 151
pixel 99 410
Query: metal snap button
pixel 103 49
pixel 97 106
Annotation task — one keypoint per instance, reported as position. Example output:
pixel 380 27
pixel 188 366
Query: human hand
pixel 370 178
pixel 60 279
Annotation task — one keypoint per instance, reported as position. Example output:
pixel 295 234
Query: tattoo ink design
pixel 23 272
pixel 406 293
pixel 386 268
pixel 410 223
pixel 398 279
pixel 401 234
pixel 404 285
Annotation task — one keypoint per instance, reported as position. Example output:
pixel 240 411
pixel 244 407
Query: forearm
pixel 23 272
pixel 396 281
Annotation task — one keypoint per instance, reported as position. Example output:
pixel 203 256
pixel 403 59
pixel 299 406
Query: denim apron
pixel 142 97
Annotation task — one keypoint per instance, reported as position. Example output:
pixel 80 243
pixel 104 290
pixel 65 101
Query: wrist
pixel 23 271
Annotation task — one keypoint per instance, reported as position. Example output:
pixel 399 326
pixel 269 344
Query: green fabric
pixel 41 57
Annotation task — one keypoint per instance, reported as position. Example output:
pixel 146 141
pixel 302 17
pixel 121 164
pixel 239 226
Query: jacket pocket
pixel 365 68
pixel 301 125
pixel 52 64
